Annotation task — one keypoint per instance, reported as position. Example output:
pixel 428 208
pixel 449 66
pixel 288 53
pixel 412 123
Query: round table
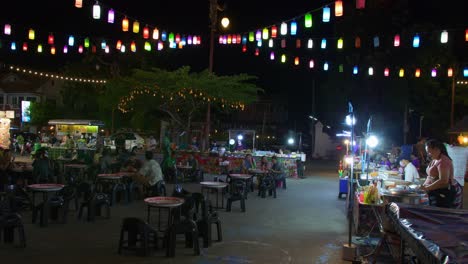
pixel 163 202
pixel 247 178
pixel 116 184
pixel 212 185
pixel 79 167
pixel 45 189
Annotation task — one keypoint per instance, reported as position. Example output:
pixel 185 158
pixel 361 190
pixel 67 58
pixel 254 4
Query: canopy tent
pixel 242 138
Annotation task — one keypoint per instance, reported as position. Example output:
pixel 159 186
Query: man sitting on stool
pixel 150 173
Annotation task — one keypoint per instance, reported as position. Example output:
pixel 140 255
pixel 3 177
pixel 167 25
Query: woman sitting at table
pixel 440 184
pixel 248 163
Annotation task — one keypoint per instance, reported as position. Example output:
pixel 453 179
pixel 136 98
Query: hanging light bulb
pixel 155 33
pixel 258 35
pixel 396 41
pixel 338 8
pixel 296 61
pixel 272 55
pixel 7 29
pixel 39 48
pixel 323 45
pixel 357 42
pixel 416 41
pixel 360 4
pixel 136 27
pixel 444 37
pixel 339 45
pixel 326 14
pixel 308 20
pixel 265 33
pixel 401 73
pixel 96 11
pixel 125 24
pixel 371 71
pixel 450 72
pixel 25 46
pixel 283 58
pixel 298 43
pixel 386 72
pixel 293 28
pixel 355 70
pixel 325 66
pixel 78 3
pixel 13 45
pixel 311 64
pixel 111 16
pixel 65 49
pixel 31 34
pixel 284 29
pixel 274 31
pixel 310 44
pixel 71 41
pixel 417 73
pixel 434 72
pixel 270 43
pixel 376 41
pixel 50 39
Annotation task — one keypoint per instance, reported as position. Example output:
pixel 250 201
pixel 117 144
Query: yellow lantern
pixel 39 48
pixel 52 50
pixel 417 74
pixel 401 73
pixel 31 34
pixel 136 27
pixel 340 43
pixel 133 46
pixel 296 61
pixel 125 24
pixel 283 58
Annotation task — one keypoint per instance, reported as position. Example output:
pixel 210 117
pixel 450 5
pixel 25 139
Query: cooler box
pixel 343 187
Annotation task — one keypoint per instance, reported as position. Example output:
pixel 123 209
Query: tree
pixel 42 112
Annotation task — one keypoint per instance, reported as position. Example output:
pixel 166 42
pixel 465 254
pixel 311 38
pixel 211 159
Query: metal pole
pixel 420 126
pixel 452 108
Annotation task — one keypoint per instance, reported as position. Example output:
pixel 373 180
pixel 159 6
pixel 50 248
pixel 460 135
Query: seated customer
pixel 248 163
pixel 193 162
pixel 150 173
pixel 277 169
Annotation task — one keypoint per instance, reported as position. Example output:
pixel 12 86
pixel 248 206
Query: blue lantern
pixel 164 36
pixel 293 28
pixel 465 72
pixel 325 66
pixel 416 41
pixel 326 14
pixel 71 41
pixel 355 70
pixel 323 45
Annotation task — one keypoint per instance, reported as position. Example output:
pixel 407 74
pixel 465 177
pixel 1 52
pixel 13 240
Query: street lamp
pixel 291 141
pixel 225 22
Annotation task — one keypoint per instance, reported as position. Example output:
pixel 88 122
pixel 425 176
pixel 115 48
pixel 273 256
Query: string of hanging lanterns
pixel 55 76
pixel 147 32
pixel 184 93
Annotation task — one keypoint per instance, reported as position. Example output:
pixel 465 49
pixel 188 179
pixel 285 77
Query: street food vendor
pixel 410 171
pixel 440 182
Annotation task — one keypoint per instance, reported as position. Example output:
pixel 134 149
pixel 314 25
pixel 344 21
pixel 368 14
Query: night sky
pixel 191 16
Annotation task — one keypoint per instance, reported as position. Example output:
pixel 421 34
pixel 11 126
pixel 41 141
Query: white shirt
pixel 411 173
pixel 152 171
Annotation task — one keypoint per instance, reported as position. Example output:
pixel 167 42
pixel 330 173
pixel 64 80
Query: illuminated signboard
pixel 25 114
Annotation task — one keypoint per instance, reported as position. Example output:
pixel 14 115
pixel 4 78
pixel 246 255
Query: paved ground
pixel 305 224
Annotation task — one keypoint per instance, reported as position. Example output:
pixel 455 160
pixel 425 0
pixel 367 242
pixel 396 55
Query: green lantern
pixel 86 42
pixel 171 37
pixel 308 20
pixel 147 46
pixel 251 36
pixel 340 68
pixel 265 33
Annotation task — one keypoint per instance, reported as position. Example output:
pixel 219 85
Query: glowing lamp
pixel 136 27
pixel 396 41
pixel 257 52
pixel 340 68
pixel 50 39
pixel 417 73
pixel 434 72
pixel 244 48
pixel 251 36
pixel 133 46
pixel 274 31
pixel 71 41
pixel 80 49
pixel 25 46
pixel 283 58
pixel 293 28
pixel 298 43
pixel 308 20
pixel 163 36
pixel 339 45
pixel 13 46
pixel 338 8
pixel 160 45
pixel 386 72
pixel 465 72
pixel 258 35
pixel 284 29
pixel 31 34
pixel 122 49
pixel 323 44
pixel 225 22
pixel 111 16
pixel 325 66
pixel 125 24
pixel 146 32
pixel 118 45
pixel 107 49
pixel 360 4
pixel 357 42
pixel 416 41
pixel 232 142
pixel 371 71
pixel 259 43
pixel 296 61
pixel 96 11
pixel 326 14
pixel 350 120
pixel 466 35
pixel 376 41
pixel 355 70
pixel 155 33
pixel 244 40
pixel 177 38
pixel 7 29
pixel 401 73
pixel 450 72
pixel 310 44
pixel 65 49
pixel 372 141
pixel 103 44
pixel 78 3
pixel 265 33
pixel 283 43
pixel 290 141
pixel 147 46
pixel 272 55
pixel 270 43
pixel 444 37
pixel 311 64
pixel 39 48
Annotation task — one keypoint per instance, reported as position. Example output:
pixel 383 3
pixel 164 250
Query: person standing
pixel 20 140
pixel 410 171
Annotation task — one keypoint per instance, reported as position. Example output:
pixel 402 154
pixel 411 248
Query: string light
pixel 56 76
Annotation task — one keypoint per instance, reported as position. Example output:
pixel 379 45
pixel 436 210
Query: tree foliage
pixel 42 112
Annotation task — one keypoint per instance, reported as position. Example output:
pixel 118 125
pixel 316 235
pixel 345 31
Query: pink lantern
pixel 386 72
pixel 7 29
pixel 244 48
pixel 396 41
pixel 80 49
pixel 50 39
pixel 360 4
pixel 257 52
pixel 25 46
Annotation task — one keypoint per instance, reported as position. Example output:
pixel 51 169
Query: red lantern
pixel 177 38
pixel 360 4
pixel 357 42
pixel 244 48
pixel 396 41
pixel 257 52
pixel 50 40
pixel 274 31
pixel 386 72
pixel 298 43
pixel 25 46
pixel 146 32
pixel 239 39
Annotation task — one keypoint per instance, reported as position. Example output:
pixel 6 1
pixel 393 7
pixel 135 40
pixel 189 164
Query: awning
pixel 76 122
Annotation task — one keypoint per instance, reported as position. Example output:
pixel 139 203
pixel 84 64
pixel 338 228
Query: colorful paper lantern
pixel 293 28
pixel 417 73
pixel 444 37
pixel 244 48
pixel 258 35
pixel 163 36
pixel 177 38
pixel 357 42
pixel 434 72
pixel 65 49
pixel 50 39
pixel 283 43
pixel 465 72
pixel 311 64
pixel 340 68
pixel 308 20
pixel 25 46
pixel 376 41
pixel 52 50
pixel 272 55
pixel 161 44
pixel 123 49
pixel 125 24
pixel 466 35
pixel 7 29
pixel 386 72
pixel 31 34
pixel 71 41
pixel 96 11
pixel 396 41
pixel 133 46
pixel 274 31
pixel 370 71
pixel 118 45
pixel 39 48
pixel 257 52
pixel 136 27
pixel 265 33
pixel 171 37
pixel 416 41
pixel 251 36
pixel 244 40
pixel 86 42
pixel 325 66
pixel 450 72
pixel 13 45
pixel 270 43
pixel 80 49
pixel 339 44
pixel 360 4
pixel 146 32
pixel 107 49
pixel 298 43
pixel 296 61
pixel 283 58
pixel 401 73
pixel 284 29
pixel 355 70
pixel 338 8
pixel 111 16
pixel 259 43
pixel 155 33
pixel 323 44
pixel 78 3
pixel 103 44
pixel 310 43
pixel 326 14
pixel 147 46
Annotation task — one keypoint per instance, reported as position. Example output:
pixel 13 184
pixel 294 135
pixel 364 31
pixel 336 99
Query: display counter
pixel 214 164
pixel 86 154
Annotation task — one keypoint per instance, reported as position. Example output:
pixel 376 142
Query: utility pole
pixel 452 108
